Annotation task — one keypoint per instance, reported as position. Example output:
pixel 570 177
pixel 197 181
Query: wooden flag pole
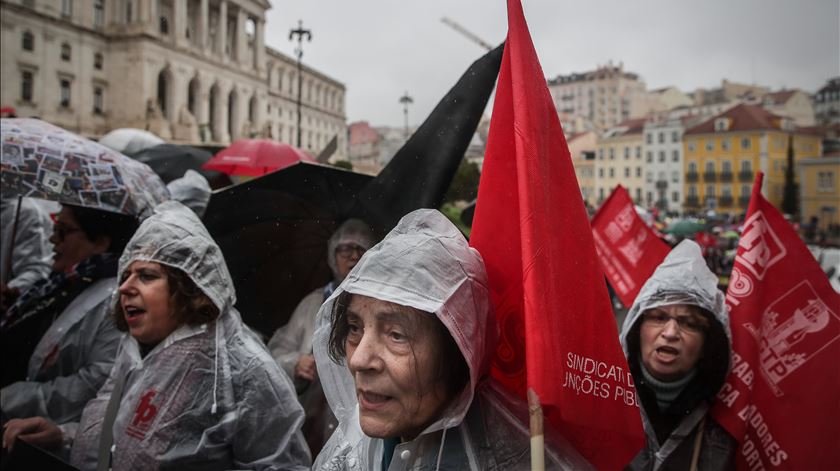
pixel 537 436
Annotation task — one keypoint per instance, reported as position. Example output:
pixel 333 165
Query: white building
pixel 663 149
pixel 192 71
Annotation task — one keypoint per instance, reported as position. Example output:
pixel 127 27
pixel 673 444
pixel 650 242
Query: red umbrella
pixel 256 157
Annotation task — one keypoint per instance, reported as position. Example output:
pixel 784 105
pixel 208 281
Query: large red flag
pixel 782 398
pixel 558 334
pixel 628 249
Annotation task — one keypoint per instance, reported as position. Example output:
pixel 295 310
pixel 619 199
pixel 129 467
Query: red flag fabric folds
pixel 782 397
pixel 557 332
pixel 628 249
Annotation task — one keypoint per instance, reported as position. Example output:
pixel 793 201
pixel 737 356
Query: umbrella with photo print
pixel 40 160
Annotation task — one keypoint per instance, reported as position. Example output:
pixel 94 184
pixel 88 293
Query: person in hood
pixel 192 190
pixel 192 386
pixel 291 344
pixel 678 346
pixel 58 339
pixel 403 348
pixel 26 259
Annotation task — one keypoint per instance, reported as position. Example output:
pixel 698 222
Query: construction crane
pixel 452 24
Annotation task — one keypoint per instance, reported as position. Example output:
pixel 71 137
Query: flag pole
pixel 537 436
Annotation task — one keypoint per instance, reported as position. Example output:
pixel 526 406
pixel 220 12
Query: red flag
pixel 782 398
pixel 628 249
pixel 558 334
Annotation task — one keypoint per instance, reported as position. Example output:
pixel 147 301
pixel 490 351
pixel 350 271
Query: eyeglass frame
pixel 684 323
pixel 61 230
pixel 346 250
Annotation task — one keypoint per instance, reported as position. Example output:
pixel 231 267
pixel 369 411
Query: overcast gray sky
pixel 381 48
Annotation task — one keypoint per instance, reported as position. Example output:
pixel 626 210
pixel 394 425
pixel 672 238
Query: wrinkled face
pixel 671 340
pixel 346 257
pixel 70 244
pixel 145 302
pixel 392 353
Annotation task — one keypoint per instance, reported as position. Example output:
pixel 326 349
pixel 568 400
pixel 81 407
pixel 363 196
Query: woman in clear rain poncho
pixel 677 342
pixel 192 386
pixel 403 347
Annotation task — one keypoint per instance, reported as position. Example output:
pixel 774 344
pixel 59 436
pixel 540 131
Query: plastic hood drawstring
pixel 440 450
pixel 215 368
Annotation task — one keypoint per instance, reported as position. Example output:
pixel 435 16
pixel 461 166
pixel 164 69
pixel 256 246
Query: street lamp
pixel 300 33
pixel 406 100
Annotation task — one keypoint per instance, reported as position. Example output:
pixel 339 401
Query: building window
pixel 612 153
pixel 98 13
pixel 129 11
pixel 163 25
pixel 27 79
pixel 710 191
pixel 692 146
pixel 612 173
pixel 825 181
pixel 600 194
pixel 27 41
pixel 97 61
pixel 692 191
pixel 710 167
pixel 638 171
pixel 675 176
pixel 626 153
pixel 661 137
pixel 638 152
pixel 746 166
pixel 649 156
pixel 710 145
pixel 675 156
pixel 726 190
pixel 726 166
pixel 66 8
pixel 97 100
pixel 65 93
pixel 638 195
pixel 626 172
pixel 745 143
pixel 601 154
pixel 675 136
pixel 675 197
pixel 601 172
pixel 745 191
pixel 661 156
pixel 692 167
pixel 65 52
pixel 724 144
pixel 649 177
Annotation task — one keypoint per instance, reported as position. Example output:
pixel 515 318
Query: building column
pixel 221 33
pixel 259 46
pixel 241 42
pixel 203 24
pixel 179 22
pixel 220 131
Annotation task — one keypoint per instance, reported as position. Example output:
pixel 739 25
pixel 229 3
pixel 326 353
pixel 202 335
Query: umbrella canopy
pixel 172 161
pixel 684 228
pixel 730 235
pixel 255 157
pixel 273 232
pixel 40 160
pixel 129 141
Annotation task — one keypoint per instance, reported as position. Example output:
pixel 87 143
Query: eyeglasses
pixel 347 250
pixel 688 324
pixel 61 231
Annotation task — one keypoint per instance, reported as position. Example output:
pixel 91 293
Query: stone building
pixel 191 71
pixel 827 102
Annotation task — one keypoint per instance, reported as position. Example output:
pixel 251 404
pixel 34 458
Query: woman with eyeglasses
pixel 58 340
pixel 678 347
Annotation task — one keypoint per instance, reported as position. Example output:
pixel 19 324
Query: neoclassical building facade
pixel 191 71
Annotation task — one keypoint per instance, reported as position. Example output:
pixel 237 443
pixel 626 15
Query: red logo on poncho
pixel 143 416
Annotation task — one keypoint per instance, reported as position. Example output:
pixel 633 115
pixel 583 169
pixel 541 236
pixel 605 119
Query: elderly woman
pixel 403 348
pixel 56 376
pixel 192 386
pixel 677 342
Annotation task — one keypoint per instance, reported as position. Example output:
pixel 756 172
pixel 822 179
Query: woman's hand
pixel 35 430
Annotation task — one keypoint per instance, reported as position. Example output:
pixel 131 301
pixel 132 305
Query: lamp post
pixel 406 100
pixel 300 33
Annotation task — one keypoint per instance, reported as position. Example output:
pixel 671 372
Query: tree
pixel 464 184
pixel 790 203
pixel 345 164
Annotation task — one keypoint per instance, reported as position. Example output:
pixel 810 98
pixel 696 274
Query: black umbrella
pixel 172 161
pixel 273 230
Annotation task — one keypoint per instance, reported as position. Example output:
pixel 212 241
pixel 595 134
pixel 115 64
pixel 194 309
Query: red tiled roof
pixel 634 126
pixel 781 96
pixel 744 118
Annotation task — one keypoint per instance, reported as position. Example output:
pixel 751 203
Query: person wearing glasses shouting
pixel 678 345
pixel 291 345
pixel 58 340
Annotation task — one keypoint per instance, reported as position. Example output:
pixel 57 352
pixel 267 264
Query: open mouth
pixel 132 311
pixel 369 400
pixel 666 352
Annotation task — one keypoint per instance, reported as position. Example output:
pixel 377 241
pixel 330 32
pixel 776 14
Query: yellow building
pixel 582 148
pixel 619 160
pixel 819 190
pixel 723 154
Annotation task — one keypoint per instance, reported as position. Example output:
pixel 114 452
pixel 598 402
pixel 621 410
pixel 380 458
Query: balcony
pixel 692 177
pixel 745 176
pixel 661 184
pixel 743 201
pixel 692 202
pixel 709 177
pixel 725 177
pixel 725 201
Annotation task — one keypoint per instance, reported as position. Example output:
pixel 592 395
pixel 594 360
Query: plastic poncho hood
pixel 192 190
pixel 175 237
pixel 424 263
pixel 684 278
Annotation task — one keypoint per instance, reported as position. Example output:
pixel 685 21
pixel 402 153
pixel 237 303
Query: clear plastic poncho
pixel 208 396
pixel 192 190
pixel 425 263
